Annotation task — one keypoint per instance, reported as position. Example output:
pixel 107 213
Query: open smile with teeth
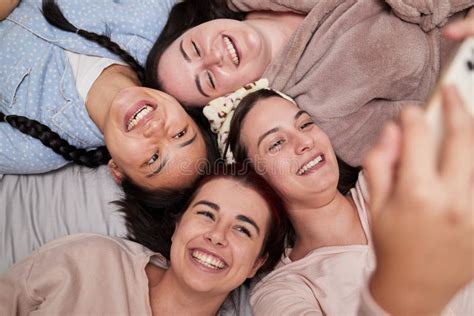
pixel 138 116
pixel 310 165
pixel 232 51
pixel 207 260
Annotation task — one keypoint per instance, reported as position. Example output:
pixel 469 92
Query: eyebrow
pixel 246 219
pixel 199 87
pixel 240 217
pixel 196 78
pixel 160 167
pixel 208 203
pixel 185 56
pixel 301 112
pixel 273 130
pixel 188 142
pixel 276 129
pixel 165 161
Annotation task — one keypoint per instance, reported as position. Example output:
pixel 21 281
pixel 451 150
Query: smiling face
pixel 293 154
pixel 152 139
pixel 213 59
pixel 217 242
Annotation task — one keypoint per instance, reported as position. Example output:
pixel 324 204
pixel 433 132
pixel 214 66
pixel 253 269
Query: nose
pixel 216 235
pixel 304 142
pixel 213 57
pixel 153 127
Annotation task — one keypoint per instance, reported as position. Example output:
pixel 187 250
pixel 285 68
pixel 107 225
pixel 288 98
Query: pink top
pixel 89 274
pixel 84 274
pixel 326 281
pixel 333 280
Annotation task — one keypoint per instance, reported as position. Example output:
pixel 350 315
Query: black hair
pixel 151 216
pixel 212 151
pixel 347 174
pixel 184 16
pixel 89 158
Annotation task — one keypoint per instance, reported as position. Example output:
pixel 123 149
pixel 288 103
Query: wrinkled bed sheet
pixel 35 209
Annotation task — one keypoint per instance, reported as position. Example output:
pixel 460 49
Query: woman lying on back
pixel 66 90
pixel 352 65
pixel 332 251
pixel 232 227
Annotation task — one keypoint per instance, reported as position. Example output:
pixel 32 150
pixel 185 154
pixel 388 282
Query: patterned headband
pixel 220 111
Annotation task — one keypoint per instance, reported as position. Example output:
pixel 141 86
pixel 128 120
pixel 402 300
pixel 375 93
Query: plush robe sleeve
pixel 352 85
pixel 16 298
pixel 298 6
pixel 428 13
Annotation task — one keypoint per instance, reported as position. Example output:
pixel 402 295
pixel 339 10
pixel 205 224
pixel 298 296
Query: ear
pixel 258 263
pixel 115 171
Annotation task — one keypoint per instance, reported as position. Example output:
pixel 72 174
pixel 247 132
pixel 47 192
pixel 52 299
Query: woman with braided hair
pixel 71 83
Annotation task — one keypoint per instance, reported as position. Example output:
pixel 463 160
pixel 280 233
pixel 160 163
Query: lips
pixel 310 165
pixel 138 114
pixel 232 50
pixel 208 260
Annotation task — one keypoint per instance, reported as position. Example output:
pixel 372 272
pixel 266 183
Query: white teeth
pixel 310 165
pixel 140 114
pixel 208 260
pixel 232 51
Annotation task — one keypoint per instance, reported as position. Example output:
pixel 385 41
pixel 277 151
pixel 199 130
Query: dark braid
pixel 91 158
pixel 54 16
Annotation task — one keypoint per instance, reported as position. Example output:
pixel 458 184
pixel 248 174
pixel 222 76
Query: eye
pixel 153 159
pixel 211 81
pixel 181 133
pixel 243 230
pixel 196 49
pixel 276 146
pixel 306 125
pixel 206 214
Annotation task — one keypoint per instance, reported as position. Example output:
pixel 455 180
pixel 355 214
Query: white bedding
pixel 37 208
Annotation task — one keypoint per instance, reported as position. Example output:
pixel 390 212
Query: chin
pixel 201 286
pixel 319 186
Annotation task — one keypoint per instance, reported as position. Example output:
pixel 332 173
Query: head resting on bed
pixel 125 158
pixel 151 217
pixel 206 50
